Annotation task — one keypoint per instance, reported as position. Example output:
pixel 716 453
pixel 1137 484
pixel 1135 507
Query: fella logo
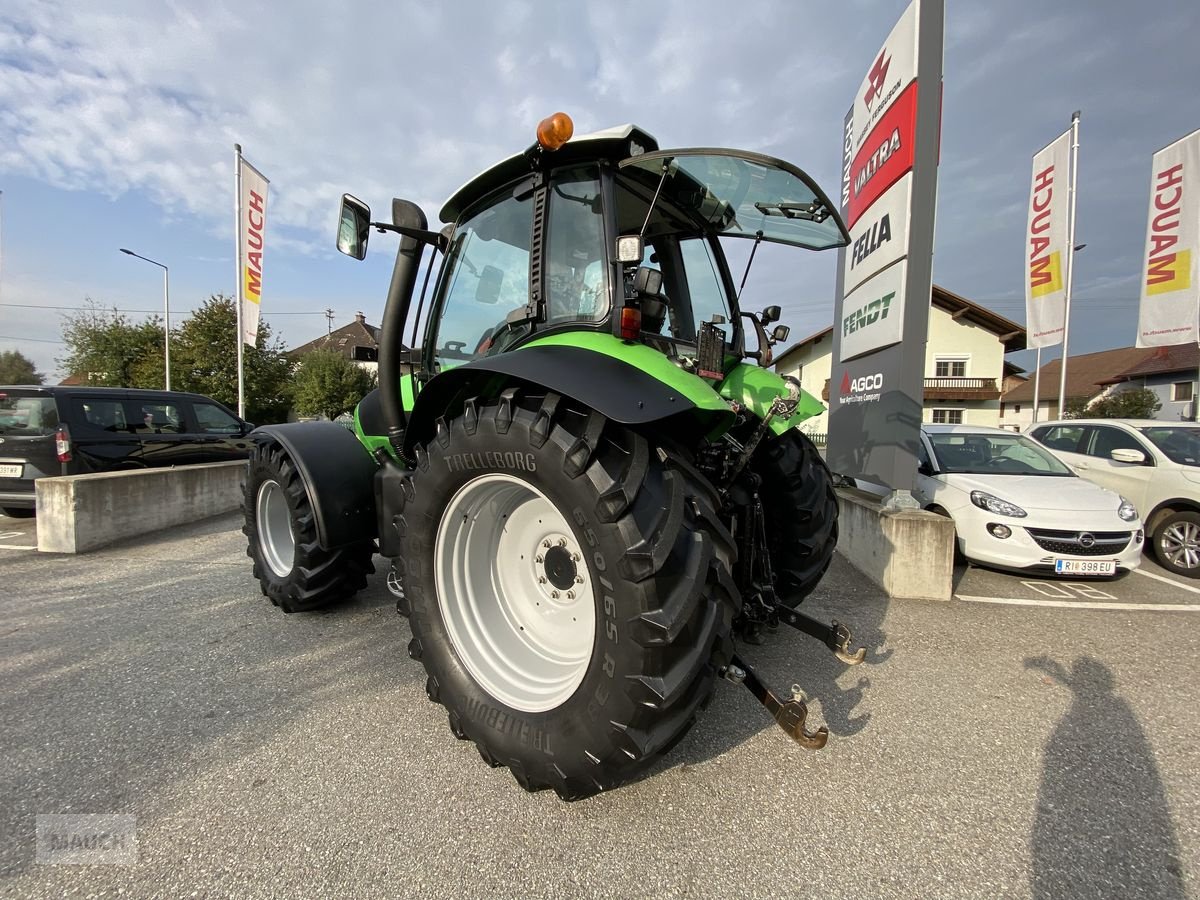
pixel 876 77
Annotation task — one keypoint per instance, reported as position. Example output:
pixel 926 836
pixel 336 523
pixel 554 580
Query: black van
pixel 74 430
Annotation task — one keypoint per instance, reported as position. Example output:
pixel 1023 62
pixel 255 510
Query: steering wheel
pixel 1004 462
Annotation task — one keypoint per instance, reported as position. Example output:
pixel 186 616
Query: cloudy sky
pixel 117 127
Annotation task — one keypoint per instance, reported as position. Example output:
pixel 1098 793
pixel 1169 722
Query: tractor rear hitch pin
pixel 790 715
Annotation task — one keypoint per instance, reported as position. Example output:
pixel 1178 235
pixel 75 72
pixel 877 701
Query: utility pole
pixel 328 321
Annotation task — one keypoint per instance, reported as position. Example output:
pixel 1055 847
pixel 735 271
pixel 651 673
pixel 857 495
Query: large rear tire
pixel 569 589
pixel 292 568
pixel 801 512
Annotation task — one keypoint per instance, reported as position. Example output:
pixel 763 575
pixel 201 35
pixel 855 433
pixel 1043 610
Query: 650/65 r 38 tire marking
pixel 291 567
pixel 577 693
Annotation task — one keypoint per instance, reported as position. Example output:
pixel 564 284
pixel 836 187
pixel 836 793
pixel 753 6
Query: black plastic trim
pixel 338 474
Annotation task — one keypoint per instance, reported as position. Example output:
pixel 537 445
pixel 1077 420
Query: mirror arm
pixel 435 238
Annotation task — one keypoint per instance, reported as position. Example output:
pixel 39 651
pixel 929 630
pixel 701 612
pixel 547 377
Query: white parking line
pixel 1082 604
pixel 1173 583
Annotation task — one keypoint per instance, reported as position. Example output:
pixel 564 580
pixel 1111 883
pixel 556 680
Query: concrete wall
pixel 908 553
pixel 77 513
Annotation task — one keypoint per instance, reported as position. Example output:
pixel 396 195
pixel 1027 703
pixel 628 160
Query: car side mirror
pixel 1136 457
pixel 354 227
pixel 488 289
pixel 780 333
pixel 925 468
pixel 248 427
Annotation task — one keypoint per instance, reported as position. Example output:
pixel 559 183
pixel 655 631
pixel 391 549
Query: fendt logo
pixel 863 389
pixel 876 78
pixel 868 315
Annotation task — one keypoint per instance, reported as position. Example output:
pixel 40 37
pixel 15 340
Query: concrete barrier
pixel 909 553
pixel 78 513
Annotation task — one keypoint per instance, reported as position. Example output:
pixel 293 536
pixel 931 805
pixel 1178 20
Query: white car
pixel 1156 464
pixel 1016 506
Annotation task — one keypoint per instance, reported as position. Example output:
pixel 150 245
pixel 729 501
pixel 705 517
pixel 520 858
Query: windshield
pixel 1179 445
pixel 29 415
pixel 994 454
pixel 741 194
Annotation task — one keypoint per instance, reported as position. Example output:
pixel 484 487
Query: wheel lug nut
pixel 579 579
pixel 541 579
pixel 570 595
pixel 546 544
pixel 537 559
pixel 562 542
pixel 575 557
pixel 554 594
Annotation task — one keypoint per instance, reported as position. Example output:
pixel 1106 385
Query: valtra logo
pixel 876 78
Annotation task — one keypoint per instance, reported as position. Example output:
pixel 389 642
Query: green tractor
pixel 585 493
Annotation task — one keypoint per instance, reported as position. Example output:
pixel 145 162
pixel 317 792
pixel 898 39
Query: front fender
pixel 632 384
pixel 756 388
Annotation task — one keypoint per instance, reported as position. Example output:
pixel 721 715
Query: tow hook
pixel 790 715
pixel 835 635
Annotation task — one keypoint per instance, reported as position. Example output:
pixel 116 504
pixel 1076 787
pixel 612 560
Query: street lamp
pixel 166 314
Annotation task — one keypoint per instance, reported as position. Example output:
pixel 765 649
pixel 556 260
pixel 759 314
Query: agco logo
pixel 876 78
pixel 862 383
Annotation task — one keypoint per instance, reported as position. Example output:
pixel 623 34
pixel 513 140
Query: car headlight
pixel 984 500
pixel 1127 511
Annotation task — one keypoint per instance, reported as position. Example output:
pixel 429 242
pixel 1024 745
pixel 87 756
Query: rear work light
pixel 631 322
pixel 62 445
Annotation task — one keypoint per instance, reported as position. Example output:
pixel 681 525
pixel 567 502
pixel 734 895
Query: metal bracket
pixel 835 635
pixel 790 715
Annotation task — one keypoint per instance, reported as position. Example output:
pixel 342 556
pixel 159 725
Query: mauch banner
pixel 1170 297
pixel 252 225
pixel 1046 250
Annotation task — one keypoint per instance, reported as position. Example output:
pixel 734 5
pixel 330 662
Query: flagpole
pixel 1062 387
pixel 1037 381
pixel 237 258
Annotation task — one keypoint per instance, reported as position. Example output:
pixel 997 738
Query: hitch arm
pixel 789 715
pixel 835 635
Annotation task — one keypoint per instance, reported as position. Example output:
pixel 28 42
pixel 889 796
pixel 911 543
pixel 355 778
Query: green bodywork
pixel 748 386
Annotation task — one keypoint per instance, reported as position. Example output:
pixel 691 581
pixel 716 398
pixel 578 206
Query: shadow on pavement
pixel 1102 827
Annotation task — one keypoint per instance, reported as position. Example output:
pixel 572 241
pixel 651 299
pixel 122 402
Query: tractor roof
pixel 616 144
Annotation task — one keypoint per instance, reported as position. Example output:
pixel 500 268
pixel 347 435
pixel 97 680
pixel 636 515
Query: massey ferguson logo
pixel 863 389
pixel 876 78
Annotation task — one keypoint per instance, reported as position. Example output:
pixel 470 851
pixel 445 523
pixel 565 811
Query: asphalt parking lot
pixel 995 745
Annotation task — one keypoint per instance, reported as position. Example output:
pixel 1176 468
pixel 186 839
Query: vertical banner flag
pixel 1170 296
pixel 252 223
pixel 1046 251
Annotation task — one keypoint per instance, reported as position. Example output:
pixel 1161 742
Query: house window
pixel 947 417
pixel 1016 407
pixel 950 368
pixel 1181 391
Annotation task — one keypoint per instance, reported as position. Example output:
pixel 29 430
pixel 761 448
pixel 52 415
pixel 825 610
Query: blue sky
pixel 117 126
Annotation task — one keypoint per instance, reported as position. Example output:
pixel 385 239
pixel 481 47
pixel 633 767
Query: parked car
pixel 1156 464
pixel 63 430
pixel 1016 506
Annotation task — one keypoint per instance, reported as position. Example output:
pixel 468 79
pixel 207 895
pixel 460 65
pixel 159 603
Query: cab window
pixel 1105 440
pixel 577 289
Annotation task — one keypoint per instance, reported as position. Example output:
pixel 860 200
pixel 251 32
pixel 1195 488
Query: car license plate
pixel 8 470
pixel 1085 567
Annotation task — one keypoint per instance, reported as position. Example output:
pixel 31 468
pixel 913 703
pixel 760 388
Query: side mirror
pixel 771 314
pixel 647 280
pixel 924 468
pixel 780 333
pixel 488 289
pixel 354 227
pixel 1129 456
pixel 248 427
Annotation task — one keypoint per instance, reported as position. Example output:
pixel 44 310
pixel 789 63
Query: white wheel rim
pixel 514 592
pixel 275 538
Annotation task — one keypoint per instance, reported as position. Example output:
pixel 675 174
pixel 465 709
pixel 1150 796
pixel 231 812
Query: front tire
pixel 1177 543
pixel 292 568
pixel 519 499
pixel 801 511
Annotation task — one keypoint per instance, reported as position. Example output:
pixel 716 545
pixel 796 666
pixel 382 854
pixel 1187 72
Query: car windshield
pixel 994 454
pixel 28 415
pixel 1180 445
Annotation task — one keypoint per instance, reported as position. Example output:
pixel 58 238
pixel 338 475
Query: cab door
pixel 1130 480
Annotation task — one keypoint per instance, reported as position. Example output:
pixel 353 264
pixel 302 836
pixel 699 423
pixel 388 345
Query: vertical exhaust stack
pixel 405 214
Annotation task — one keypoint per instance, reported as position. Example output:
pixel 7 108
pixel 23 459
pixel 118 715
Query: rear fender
pixel 338 474
pixel 632 389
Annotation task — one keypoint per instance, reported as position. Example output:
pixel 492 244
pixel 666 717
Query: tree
pixel 1139 403
pixel 17 368
pixel 106 348
pixel 204 360
pixel 328 384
